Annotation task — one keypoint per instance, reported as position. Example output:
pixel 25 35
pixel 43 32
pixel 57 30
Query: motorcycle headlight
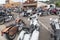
pixel 50 19
pixel 10 16
pixel 56 20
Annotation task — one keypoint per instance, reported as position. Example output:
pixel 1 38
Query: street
pixel 44 29
pixel 30 20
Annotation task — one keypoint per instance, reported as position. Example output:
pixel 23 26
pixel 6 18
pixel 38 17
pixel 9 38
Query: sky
pixel 3 1
pixel 19 0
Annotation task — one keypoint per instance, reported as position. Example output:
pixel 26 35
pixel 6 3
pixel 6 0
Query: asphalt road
pixel 44 21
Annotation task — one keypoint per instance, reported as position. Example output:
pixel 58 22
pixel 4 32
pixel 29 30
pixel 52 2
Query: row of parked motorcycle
pixel 8 16
pixel 41 12
pixel 5 17
pixel 19 27
pixel 24 33
pixel 31 32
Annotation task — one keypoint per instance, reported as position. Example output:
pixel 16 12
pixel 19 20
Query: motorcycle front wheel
pixel 1 22
pixel 10 37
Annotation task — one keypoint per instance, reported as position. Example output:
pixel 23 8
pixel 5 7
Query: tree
pixel 57 3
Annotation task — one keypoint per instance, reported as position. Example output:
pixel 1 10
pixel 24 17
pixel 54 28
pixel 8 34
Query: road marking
pixel 45 27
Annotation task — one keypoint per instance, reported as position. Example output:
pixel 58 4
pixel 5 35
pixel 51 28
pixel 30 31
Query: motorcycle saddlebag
pixel 5 31
pixel 13 30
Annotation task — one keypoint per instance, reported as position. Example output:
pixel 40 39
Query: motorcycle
pixel 36 29
pixel 54 11
pixel 5 17
pixel 54 23
pixel 12 30
pixel 24 34
pixel 56 27
pixel 30 33
pixel 35 35
pixel 20 37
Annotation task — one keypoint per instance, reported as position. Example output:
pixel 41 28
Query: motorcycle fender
pixel 5 31
pixel 27 37
pixel 35 35
pixel 40 13
pixel 13 30
pixel 21 35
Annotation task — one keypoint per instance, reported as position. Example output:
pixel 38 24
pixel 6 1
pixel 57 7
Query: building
pixel 29 3
pixel 15 4
pixel 33 3
pixel 10 3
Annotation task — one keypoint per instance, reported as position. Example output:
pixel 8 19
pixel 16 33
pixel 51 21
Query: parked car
pixel 4 17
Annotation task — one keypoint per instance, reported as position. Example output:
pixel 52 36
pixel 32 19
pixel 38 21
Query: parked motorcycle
pixel 10 32
pixel 55 24
pixel 54 11
pixel 5 17
pixel 35 35
pixel 13 29
pixel 36 30
pixel 30 33
pixel 24 34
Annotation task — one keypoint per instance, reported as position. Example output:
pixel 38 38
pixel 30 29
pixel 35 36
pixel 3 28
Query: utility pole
pixel 22 3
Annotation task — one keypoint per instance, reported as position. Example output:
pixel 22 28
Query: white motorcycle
pixel 56 27
pixel 35 34
pixel 24 34
pixel 31 33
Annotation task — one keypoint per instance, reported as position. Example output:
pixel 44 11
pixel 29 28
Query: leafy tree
pixel 57 3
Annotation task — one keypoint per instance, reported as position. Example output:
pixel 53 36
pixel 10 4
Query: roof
pixel 12 4
pixel 30 4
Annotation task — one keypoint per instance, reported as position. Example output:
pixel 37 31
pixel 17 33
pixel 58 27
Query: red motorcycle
pixel 54 11
pixel 12 30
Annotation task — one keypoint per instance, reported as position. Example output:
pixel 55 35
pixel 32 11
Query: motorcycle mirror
pixel 50 19
pixel 56 20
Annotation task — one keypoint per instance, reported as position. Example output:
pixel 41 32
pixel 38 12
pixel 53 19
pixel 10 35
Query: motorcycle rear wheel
pixel 10 37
